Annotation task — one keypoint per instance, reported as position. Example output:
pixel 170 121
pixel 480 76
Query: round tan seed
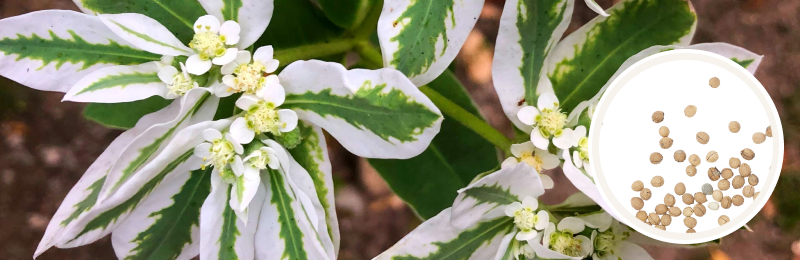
pixel 713 205
pixel 690 231
pixel 657 181
pixel 748 191
pixel 680 188
pixel 690 222
pixel 648 222
pixel 713 173
pixel 723 219
pixel 654 218
pixel 700 197
pixel 712 156
pixel 745 170
pixel 674 211
pixel 726 202
pixel 645 194
pixel 724 184
pixel 665 142
pixel 637 203
pixel 752 179
pixel 717 195
pixel 688 199
pixel 680 156
pixel 759 138
pixel 641 215
pixel 662 227
pixel 738 182
pixel 661 209
pixel 756 195
pixel 657 117
pixel 655 158
pixel 737 200
pixel 702 137
pixel 699 210
pixel 691 170
pixel 734 126
pixel 666 220
pixel 688 211
pixel 669 200
pixel 727 173
pixel 663 131
pixel 768 133
pixel 714 82
pixel 690 110
pixel 637 186
pixel 694 159
pixel 734 162
pixel 748 154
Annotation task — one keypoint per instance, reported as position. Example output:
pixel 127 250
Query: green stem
pixel 317 50
pixel 370 54
pixel 467 119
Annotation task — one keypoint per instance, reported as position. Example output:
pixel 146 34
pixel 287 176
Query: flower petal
pixel 229 80
pixel 272 65
pixel 586 245
pixel 274 162
pixel 237 145
pixel 544 219
pixel 549 160
pixel 508 162
pixel 576 159
pixel 518 149
pixel 524 236
pixel 211 134
pixel 246 101
pixel 202 150
pixel 571 224
pixel 530 202
pixel 595 7
pixel 547 100
pixel 206 23
pixel 512 208
pixel 263 54
pixel 272 92
pixel 538 140
pixel 197 66
pixel 230 30
pixel 227 57
pixel 527 115
pixel 547 182
pixel 288 120
pixel 241 132
pixel 167 73
pixel 237 166
pixel 243 57
pixel 579 132
pixel 565 140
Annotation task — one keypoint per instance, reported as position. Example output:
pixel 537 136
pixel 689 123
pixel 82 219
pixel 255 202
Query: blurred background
pixel 46 145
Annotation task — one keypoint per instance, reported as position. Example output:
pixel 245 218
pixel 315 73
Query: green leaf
pixel 492 194
pixel 786 197
pixel 346 14
pixel 230 10
pixel 227 239
pixel 124 115
pixel 177 15
pixel 584 61
pixel 289 231
pixel 429 181
pixel 296 23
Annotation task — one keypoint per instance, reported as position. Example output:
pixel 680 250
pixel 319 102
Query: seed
pixel 669 200
pixel 674 211
pixel 724 184
pixel 707 189
pixel 713 82
pixel 648 222
pixel 690 110
pixel 637 203
pixel 665 142
pixel 654 218
pixel 641 215
pixel 756 195
pixel 688 211
pixel 663 131
pixel 655 158
pixel 734 126
pixel 637 186
pixel 666 220
pixel 688 199
pixel 680 188
pixel 661 209
pixel 694 160
pixel 759 138
pixel 680 156
pixel 690 222
pixel 657 181
pixel 699 210
pixel 713 205
pixel 690 231
pixel 738 200
pixel 712 156
pixel 726 202
pixel 748 154
pixel 717 195
pixel 691 170
pixel 662 227
pixel 645 194
pixel 702 137
pixel 738 182
pixel 727 173
pixel 734 162
pixel 748 191
pixel 752 179
pixel 723 219
pixel 658 116
pixel 699 197
pixel 744 170
pixel 713 173
pixel 769 131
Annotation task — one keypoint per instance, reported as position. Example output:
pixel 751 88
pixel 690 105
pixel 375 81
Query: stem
pixel 369 53
pixel 467 119
pixel 287 56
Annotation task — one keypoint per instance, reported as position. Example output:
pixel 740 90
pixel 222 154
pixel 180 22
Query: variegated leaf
pixel 492 192
pixel 253 16
pixel 422 37
pixel 51 50
pixel 437 239
pixel 586 59
pixel 119 84
pixel 223 236
pixel 372 113
pixel 585 183
pixel 529 31
pixel 146 33
pixel 177 15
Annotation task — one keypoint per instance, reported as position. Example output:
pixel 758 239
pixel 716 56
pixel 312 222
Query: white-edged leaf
pixel 492 192
pixel 119 84
pixel 146 33
pixel 372 113
pixel 422 37
pixel 253 16
pixel 51 50
pixel 223 236
pixel 529 31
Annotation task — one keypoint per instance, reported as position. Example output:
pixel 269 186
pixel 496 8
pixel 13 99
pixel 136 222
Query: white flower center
pixel 565 243
pixel 222 153
pixel 180 84
pixel 263 118
pixel 525 219
pixel 249 77
pixel 208 44
pixel 551 122
pixel 532 160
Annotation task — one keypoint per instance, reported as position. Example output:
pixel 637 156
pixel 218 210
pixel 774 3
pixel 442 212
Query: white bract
pixel 537 158
pixel 526 219
pixel 547 121
pixel 212 44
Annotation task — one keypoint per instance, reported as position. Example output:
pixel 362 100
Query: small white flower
pixel 243 76
pixel 562 238
pixel 580 156
pixel 526 220
pixel 523 249
pixel 537 158
pixel 261 114
pixel 178 82
pixel 219 151
pixel 548 122
pixel 612 244
pixel 211 44
pixel 246 185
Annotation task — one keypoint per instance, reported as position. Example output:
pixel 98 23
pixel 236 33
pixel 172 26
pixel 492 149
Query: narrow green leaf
pixel 121 80
pixel 290 233
pixel 492 194
pixel 539 31
pixel 177 15
pixel 124 115
pixel 230 10
pixel 427 22
pixel 230 232
pixel 87 203
pixel 463 246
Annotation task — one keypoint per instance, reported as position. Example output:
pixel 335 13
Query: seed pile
pixel 733 184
